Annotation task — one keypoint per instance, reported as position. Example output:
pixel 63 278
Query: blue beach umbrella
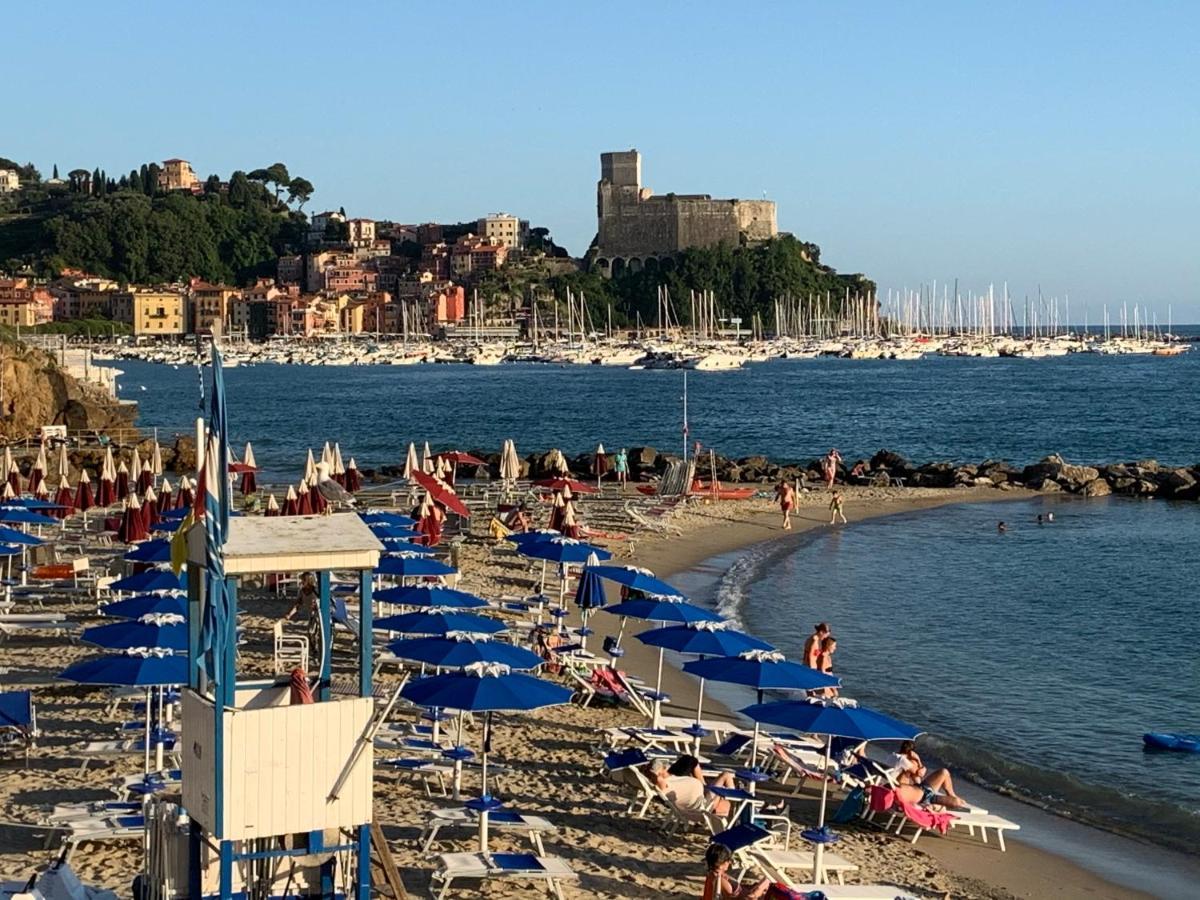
pixel 532 537
pixel 155 551
pixel 758 669
pixel 405 548
pixel 177 513
pixel 147 605
pixel 14 536
pixel 430 595
pixel 662 609
pixel 589 593
pixel 456 651
pixel 438 621
pixel 486 688
pixel 393 532
pixel 31 503
pixel 637 579
pixel 151 580
pixel 19 515
pixel 396 520
pixel 167 525
pixel 412 566
pixel 131 635
pixel 837 717
pixel 561 550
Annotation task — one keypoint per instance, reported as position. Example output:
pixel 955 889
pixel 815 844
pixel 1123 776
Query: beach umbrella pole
pixel 658 693
pixel 146 768
pixel 458 763
pixel 697 730
pixel 818 867
pixel 158 744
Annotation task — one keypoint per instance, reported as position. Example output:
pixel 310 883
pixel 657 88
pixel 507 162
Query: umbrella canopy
pixel 149 581
pixel 393 531
pixel 16 536
pixel 589 593
pixel 156 463
pixel 185 499
pixel 147 605
pixel 703 638
pixel 122 481
pixel 353 476
pixel 310 466
pixel 557 463
pixel 304 504
pixel 146 477
pixel 565 484
pixel 155 551
pixel 663 609
pixel 249 466
pixel 396 520
pixel 637 579
pixel 412 566
pixel 83 492
pixel 165 503
pixel 404 548
pixel 38 472
pixel 530 537
pixel 64 461
pixel 762 671
pixel 291 502
pixel 600 462
pixel 510 463
pixel 132 635
pixel 430 596
pixel 411 462
pixel 19 515
pixel 561 550
pixel 14 478
pixel 436 621
pixel 64 499
pixel 485 687
pixel 426 460
pixel 327 455
pixel 135 469
pixel 130 668
pixel 133 523
pixel 461 458
pixel 150 507
pixel 442 493
pixel 835 717
pixel 272 508
pixel 41 492
pixel 455 651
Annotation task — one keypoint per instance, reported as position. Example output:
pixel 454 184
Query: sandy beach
pixel 550 761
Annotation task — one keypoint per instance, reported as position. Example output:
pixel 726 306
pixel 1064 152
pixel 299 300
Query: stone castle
pixel 638 229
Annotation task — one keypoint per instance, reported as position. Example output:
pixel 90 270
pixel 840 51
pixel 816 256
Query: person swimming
pixel 1001 528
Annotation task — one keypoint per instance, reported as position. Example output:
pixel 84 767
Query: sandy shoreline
pixel 550 758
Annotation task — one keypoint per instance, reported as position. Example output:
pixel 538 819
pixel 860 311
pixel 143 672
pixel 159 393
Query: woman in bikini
pixel 825 661
pixel 786 495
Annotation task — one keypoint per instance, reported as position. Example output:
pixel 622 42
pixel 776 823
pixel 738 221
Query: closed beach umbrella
pixel 556 463
pixel 83 492
pixel 8 461
pixel 836 717
pixel 64 499
pixel 10 494
pixel 185 497
pixel 761 670
pixel 327 455
pixel 429 521
pixel 249 484
pixel 165 501
pixel 272 506
pixel 150 506
pixel 310 466
pixel 291 502
pixel 427 460
pixel 570 525
pixel 337 469
pixel 600 463
pixel 353 477
pixel 412 565
pixel 156 463
pixel 41 491
pixel 38 472
pixel 430 595
pixel 510 464
pixel 304 505
pixel 135 471
pixel 150 581
pixel 146 477
pixel 439 621
pixel 315 498
pixel 14 476
pixel 64 461
pixel 162 606
pixel 487 688
pixel 122 481
pixel 133 525
pixel 411 462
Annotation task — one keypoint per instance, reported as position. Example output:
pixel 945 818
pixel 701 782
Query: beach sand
pixel 550 761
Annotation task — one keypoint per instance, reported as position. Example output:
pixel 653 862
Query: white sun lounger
pixel 856 891
pixel 104 828
pixel 425 770
pixel 549 870
pixel 649 737
pixel 533 827
pixel 971 821
pixel 64 813
pixel 777 864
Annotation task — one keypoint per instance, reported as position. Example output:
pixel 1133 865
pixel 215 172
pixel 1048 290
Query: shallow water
pixel 1035 658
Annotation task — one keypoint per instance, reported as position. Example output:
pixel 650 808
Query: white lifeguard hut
pixel 263 778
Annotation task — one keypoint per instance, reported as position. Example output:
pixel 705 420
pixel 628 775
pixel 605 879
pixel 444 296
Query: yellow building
pixel 502 229
pixel 210 306
pixel 150 312
pixel 177 175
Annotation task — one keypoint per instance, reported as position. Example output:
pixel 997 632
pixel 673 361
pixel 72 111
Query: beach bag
pixel 852 806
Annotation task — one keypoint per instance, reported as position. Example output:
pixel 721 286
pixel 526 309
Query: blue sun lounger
pixel 549 870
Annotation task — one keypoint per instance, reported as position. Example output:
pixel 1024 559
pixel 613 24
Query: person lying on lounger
pixel 683 783
pixel 719 886
pixel 915 784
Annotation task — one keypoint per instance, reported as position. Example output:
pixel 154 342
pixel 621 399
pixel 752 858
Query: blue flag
pixel 217 501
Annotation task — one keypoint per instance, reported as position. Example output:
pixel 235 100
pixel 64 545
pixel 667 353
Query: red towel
pixel 926 818
pixel 301 692
pixel 882 798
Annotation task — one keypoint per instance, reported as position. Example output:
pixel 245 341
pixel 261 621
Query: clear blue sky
pixel 1043 143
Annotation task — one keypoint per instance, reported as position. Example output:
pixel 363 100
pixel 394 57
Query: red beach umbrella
pixel 565 484
pixel 338 469
pixel 272 506
pixel 315 499
pixel 38 472
pixel 291 503
pixel 122 481
pixel 353 477
pixel 14 477
pixel 442 493
pixel 248 466
pixel 187 494
pixel 133 526
pixel 570 527
pixel 150 507
pixel 600 463
pixel 557 511
pixel 304 506
pixel 63 499
pixel 146 477
pixel 429 522
pixel 83 492
pixel 41 491
pixel 165 500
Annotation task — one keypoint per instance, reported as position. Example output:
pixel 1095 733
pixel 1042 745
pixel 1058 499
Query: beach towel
pixel 851 807
pixel 301 692
pixel 607 683
pixel 883 798
pixel 926 818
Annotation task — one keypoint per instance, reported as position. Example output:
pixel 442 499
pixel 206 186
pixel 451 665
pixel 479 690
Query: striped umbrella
pixel 122 481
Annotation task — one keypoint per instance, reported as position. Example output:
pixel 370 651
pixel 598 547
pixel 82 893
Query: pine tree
pixel 97 184
pixel 143 172
pixel 55 171
pixel 135 181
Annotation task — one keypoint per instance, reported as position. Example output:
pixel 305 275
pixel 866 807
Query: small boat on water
pixel 1181 743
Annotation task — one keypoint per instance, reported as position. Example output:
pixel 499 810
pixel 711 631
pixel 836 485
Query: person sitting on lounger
pixel 683 783
pixel 719 886
pixel 916 785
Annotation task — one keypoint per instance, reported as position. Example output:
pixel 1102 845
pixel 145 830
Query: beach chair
pixel 426 771
pixel 628 766
pixel 533 827
pixel 650 738
pixel 924 820
pixel 16 624
pixel 343 619
pixel 549 870
pixel 102 829
pixel 853 891
pixel 291 651
pixel 18 722
pixel 753 847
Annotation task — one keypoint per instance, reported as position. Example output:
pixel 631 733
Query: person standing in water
pixel 812 646
pixel 835 508
pixel 786 495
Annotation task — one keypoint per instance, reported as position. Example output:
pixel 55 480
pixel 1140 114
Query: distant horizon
pixel 1012 147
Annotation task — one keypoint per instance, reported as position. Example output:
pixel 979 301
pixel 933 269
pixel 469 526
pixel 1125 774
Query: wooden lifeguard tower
pixel 265 779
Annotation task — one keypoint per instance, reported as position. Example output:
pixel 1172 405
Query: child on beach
pixel 786 495
pixel 719 886
pixel 835 508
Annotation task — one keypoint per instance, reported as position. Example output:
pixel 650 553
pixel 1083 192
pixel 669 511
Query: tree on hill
pixel 299 191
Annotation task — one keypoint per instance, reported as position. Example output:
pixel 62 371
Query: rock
pixel 1097 487
pixel 1123 484
pixel 1045 485
pixel 1147 465
pixel 1075 477
pixel 934 475
pixel 982 481
pixel 1179 483
pixel 184 451
pixel 890 460
pixel 643 457
pixel 879 479
pixel 1047 468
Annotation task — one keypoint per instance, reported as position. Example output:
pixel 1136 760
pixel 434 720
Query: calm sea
pixel 1036 658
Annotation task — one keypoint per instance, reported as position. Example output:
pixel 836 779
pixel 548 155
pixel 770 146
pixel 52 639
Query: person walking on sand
pixel 621 467
pixel 812 646
pixel 835 508
pixel 830 466
pixel 786 495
